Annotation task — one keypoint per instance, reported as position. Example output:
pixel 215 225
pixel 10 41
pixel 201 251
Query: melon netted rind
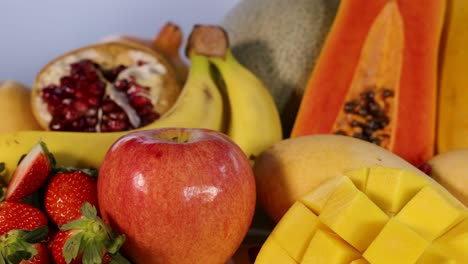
pixel 280 42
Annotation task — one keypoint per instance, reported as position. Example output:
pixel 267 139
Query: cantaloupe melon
pixel 280 41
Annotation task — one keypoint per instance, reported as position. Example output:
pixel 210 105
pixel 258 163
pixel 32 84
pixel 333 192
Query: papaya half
pixel 376 77
pixel 452 124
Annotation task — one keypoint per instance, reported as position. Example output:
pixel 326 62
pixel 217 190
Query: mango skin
pixel 292 167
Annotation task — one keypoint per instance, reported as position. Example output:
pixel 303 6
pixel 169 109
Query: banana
pixel 255 122
pixel 254 118
pixel 199 105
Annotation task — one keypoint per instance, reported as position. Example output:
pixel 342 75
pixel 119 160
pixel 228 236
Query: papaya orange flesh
pixel 376 77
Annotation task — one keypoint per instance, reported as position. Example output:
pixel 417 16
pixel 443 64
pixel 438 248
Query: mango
pixel 396 243
pixel 327 247
pixel 359 261
pixel 274 253
pixel 316 200
pixel 391 188
pixel 351 220
pixel 291 168
pixel 301 226
pixel 372 215
pixel 430 213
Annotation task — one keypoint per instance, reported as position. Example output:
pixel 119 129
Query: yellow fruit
pixel 291 168
pixel 450 169
pixel 396 243
pixel 15 110
pixel 426 224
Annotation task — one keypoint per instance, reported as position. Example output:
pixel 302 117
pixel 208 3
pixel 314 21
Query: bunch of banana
pixel 254 122
pixel 240 106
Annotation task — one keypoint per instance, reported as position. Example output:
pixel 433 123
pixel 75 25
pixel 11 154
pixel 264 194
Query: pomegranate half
pixel 104 87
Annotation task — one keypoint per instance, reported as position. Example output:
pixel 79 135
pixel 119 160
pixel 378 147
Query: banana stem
pixel 208 40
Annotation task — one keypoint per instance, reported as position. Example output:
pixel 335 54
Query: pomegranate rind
pixel 164 91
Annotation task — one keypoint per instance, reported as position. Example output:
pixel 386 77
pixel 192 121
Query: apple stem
pixel 208 40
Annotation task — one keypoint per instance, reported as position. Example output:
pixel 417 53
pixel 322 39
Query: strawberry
pixel 18 215
pixel 42 255
pixel 66 192
pixel 25 247
pixel 23 228
pixel 31 173
pixel 88 240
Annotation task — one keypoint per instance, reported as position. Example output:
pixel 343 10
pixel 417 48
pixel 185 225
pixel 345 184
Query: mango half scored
pixel 371 215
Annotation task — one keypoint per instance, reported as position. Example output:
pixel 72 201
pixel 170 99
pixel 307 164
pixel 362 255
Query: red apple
pixel 179 195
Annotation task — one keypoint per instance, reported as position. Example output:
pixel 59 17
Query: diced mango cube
pixel 430 213
pixel 295 230
pixel 392 188
pixel 359 177
pixel 436 255
pixel 353 216
pixel 455 241
pixel 316 199
pixel 396 243
pixel 327 248
pixel 360 261
pixel 271 252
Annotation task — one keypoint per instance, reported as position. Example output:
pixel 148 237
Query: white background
pixel 33 32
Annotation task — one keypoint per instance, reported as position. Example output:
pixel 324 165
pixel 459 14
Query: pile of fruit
pixel 353 151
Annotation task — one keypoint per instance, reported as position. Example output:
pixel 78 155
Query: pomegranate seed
pixel 80 95
pixel 67 81
pixel 80 106
pixel 66 101
pixel 117 125
pixel 91 112
pixel 91 121
pixel 121 85
pixel 97 88
pixel 135 89
pixel 56 125
pixel 139 101
pixel 82 85
pixel 117 116
pixel 93 101
pixel 145 110
pixel 71 114
pixel 108 106
pixel 78 125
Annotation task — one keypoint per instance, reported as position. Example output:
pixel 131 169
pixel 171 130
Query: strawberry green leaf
pixel 72 247
pixel 91 236
pixel 118 259
pixel 115 244
pixel 19 256
pixel 89 171
pixel 93 253
pixel 36 235
pixel 18 245
pixel 88 210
